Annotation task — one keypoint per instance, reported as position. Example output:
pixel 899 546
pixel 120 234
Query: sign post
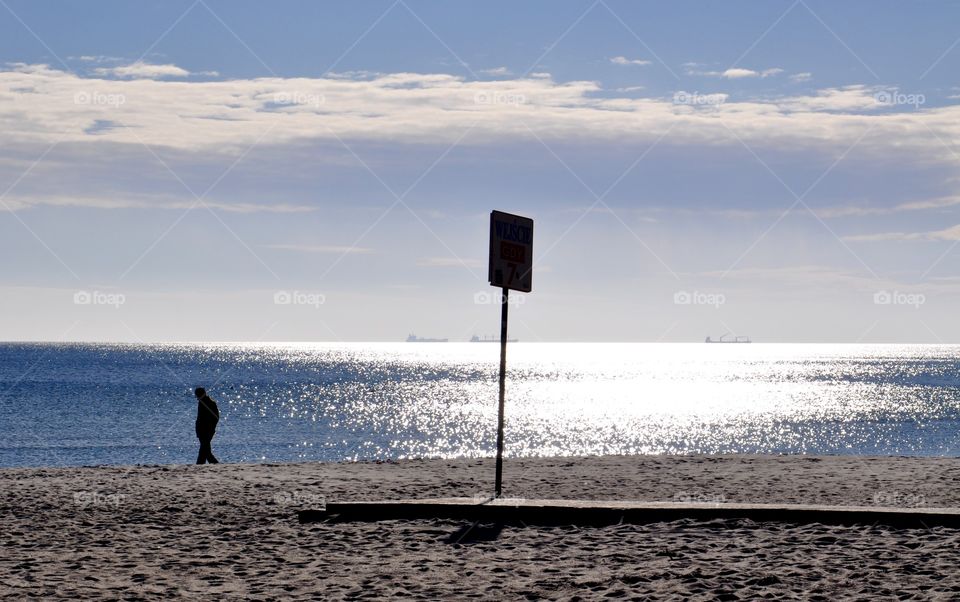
pixel 511 267
pixel 504 307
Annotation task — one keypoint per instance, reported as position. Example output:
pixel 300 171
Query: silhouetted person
pixel 208 415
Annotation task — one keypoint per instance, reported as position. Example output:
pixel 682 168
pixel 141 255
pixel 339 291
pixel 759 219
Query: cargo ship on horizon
pixel 722 339
pixel 415 339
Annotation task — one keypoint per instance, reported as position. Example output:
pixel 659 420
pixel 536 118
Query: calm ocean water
pixel 81 404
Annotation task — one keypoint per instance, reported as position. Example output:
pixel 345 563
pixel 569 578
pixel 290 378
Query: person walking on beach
pixel 208 415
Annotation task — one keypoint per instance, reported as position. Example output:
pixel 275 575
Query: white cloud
pixel 806 277
pixel 858 211
pixel 797 274
pixel 226 117
pixel 622 60
pixel 449 262
pixel 144 201
pixel 739 73
pixel 496 71
pixel 734 72
pixel 847 99
pixel 950 234
pixel 880 237
pixel 636 213
pixel 801 77
pixel 141 70
pixel 323 249
pixel 94 58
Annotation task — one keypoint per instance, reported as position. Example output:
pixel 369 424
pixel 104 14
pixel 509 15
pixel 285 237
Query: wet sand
pixel 231 531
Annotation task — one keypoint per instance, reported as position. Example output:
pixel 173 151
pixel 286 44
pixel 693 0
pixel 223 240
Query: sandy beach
pixel 230 531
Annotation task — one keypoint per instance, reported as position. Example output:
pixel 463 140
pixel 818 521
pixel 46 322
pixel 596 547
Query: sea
pixel 122 404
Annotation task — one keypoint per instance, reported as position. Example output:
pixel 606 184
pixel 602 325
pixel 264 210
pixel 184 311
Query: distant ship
pixel 415 339
pixel 490 339
pixel 723 339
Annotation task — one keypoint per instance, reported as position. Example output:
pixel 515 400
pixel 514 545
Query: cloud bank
pixel 42 104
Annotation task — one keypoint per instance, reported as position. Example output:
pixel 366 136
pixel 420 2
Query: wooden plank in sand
pixel 599 512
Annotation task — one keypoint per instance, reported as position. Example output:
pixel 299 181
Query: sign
pixel 511 252
pixel 511 267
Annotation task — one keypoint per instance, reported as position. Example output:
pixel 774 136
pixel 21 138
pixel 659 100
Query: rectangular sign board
pixel 511 251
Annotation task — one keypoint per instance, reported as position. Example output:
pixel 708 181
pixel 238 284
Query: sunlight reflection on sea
pixel 119 404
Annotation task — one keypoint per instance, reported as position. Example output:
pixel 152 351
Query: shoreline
pixel 231 530
pixel 664 472
pixel 490 458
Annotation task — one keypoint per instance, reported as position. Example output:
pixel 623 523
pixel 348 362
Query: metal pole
pixel 504 304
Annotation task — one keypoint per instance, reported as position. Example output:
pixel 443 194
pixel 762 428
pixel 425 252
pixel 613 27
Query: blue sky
pixel 786 170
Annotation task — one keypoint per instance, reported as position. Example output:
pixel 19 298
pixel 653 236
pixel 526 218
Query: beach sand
pixel 231 531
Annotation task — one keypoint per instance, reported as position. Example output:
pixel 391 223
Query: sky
pixel 208 170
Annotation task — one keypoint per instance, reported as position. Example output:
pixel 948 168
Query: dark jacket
pixel 208 415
